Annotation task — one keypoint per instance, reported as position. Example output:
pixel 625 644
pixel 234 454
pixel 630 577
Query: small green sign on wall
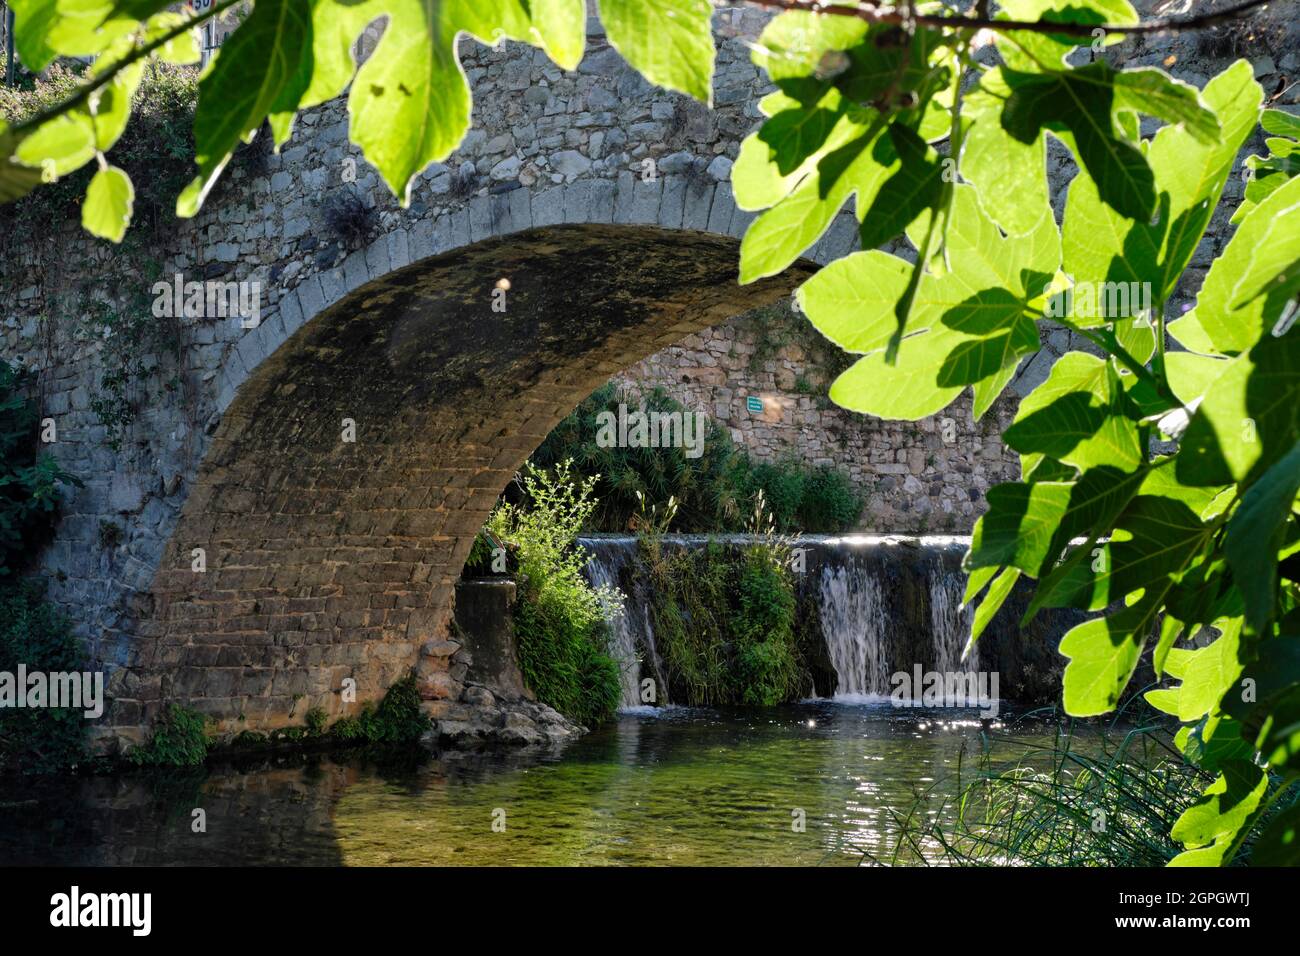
pixel 754 404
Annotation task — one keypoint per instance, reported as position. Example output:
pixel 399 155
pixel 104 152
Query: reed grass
pixel 1075 801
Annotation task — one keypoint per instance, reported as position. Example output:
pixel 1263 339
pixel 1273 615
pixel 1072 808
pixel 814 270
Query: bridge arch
pixel 369 426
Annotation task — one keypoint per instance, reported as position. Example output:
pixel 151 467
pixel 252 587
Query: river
pixel 680 786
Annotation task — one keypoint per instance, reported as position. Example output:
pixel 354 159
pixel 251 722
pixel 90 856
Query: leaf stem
pixel 1105 338
pixel 1159 316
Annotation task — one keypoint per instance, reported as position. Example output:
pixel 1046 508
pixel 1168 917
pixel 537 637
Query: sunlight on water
pixel 686 786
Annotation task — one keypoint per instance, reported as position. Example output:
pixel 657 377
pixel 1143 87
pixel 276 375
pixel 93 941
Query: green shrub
pixel 316 721
pixel 353 728
pixel 724 622
pixel 156 149
pixel 783 485
pixel 707 489
pixel 829 502
pixel 689 604
pixel 179 739
pixel 763 629
pixel 29 481
pixel 38 740
pixel 811 500
pixel 396 720
pixel 559 623
pixel 249 738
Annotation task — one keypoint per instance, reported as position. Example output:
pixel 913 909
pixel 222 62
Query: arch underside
pixel 327 559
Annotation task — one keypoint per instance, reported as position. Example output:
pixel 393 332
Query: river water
pixel 676 787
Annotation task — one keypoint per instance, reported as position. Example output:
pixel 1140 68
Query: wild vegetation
pixel 1063 804
pixel 892 108
pixel 32 633
pixel 725 622
pixel 725 618
pixel 395 720
pixel 30 479
pixel 180 737
pixel 559 619
pixel 156 150
pixel 711 492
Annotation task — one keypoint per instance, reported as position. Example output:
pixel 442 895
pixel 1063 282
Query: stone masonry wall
pixel 914 477
pixel 546 148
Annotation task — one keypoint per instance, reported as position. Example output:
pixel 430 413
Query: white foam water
pixel 853 623
pixel 950 623
pixel 631 636
pixel 857 630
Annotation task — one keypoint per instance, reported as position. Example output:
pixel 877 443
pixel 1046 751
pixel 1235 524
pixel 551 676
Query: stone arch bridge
pixel 325 558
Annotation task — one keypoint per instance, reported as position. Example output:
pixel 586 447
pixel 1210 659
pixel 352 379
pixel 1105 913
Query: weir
pixel 885 604
pixel 632 638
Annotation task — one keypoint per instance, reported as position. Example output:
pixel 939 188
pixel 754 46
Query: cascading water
pixel 872 597
pixel 632 640
pixel 887 605
pixel 854 626
pixel 951 623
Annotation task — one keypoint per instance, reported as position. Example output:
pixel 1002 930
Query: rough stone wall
pixel 913 477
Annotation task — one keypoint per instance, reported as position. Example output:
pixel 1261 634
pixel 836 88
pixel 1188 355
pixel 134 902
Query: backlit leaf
pixel 1214 821
pixel 1103 654
pixel 106 211
pixel 258 68
pixel 1257 275
pixel 1249 418
pixel 670 42
pixel 1255 536
pixel 1010 176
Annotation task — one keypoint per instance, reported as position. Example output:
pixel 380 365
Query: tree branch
pixel 142 52
pixel 875 13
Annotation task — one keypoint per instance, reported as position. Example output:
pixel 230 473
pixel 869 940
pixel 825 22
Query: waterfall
pixel 950 623
pixel 854 627
pixel 631 640
pixel 887 605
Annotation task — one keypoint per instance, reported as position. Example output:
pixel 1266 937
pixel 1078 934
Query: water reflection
pixel 683 787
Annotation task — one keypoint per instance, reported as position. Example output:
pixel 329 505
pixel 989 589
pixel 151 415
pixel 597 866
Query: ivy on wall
pixel 30 492
pixel 141 352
